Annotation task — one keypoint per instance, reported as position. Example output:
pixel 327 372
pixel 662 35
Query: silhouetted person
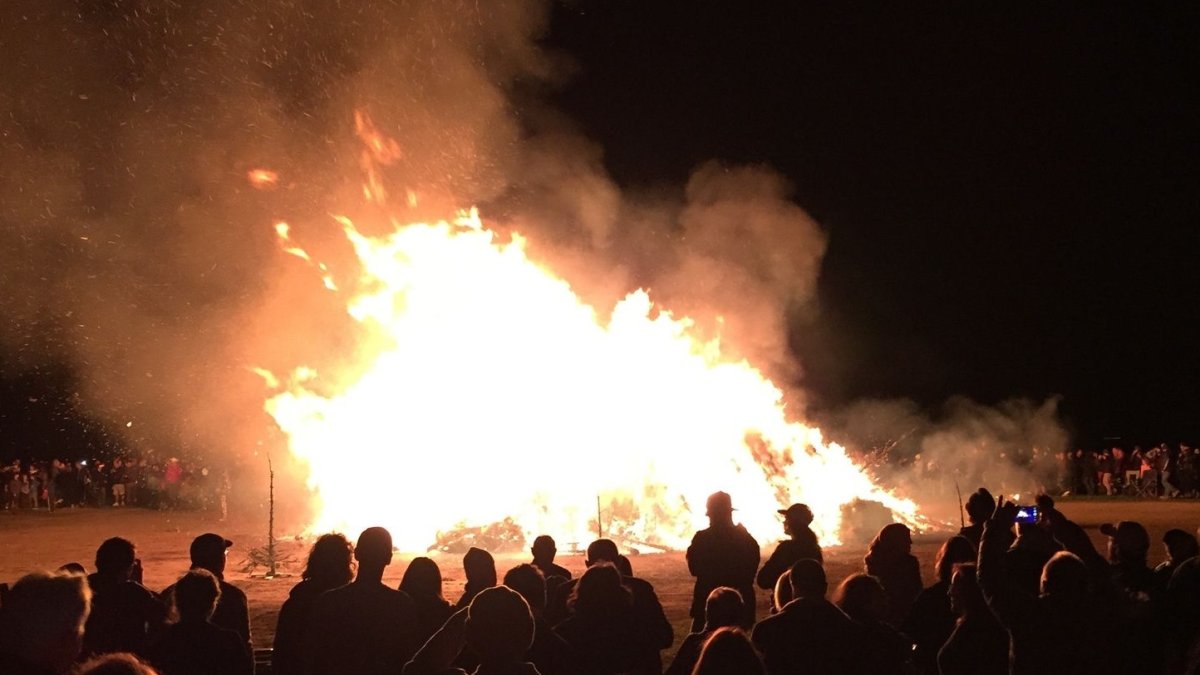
pixel 601 630
pixel 810 636
pixel 728 652
pixel 1029 553
pixel 723 554
pixel 1140 595
pixel 480 569
pixel 195 645
pixel 803 544
pixel 931 620
pixel 863 599
pixel 330 565
pixel 1180 546
pixel 422 581
pixel 890 559
pixel 543 551
pixel 124 613
pixel 73 568
pixel 549 652
pixel 497 626
pixel 654 631
pixel 1066 629
pixel 978 644
pixel 723 609
pixel 208 552
pixel 980 507
pixel 41 624
pixel 1183 606
pixel 363 627
pixel 116 664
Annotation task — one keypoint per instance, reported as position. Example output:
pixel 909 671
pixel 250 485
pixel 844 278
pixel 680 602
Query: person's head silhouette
pixel 373 553
pixel 600 593
pixel 719 509
pixel 980 506
pixel 1128 542
pixel 423 578
pixel 196 595
pixel 796 518
pixel 893 541
pixel 499 627
pixel 808 580
pixel 208 553
pixel 543 550
pixel 862 598
pixel 728 652
pixel 966 597
pixel 1180 545
pixel 116 664
pixel 115 558
pixel 1065 576
pixel 330 562
pixel 72 568
pixel 530 583
pixel 723 607
pixel 602 550
pixel 480 568
pixel 957 549
pixel 43 618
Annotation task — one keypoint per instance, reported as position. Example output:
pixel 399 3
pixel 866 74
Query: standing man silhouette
pixel 724 554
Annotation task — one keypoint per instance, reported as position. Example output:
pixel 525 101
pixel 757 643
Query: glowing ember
pixel 493 392
pixel 263 179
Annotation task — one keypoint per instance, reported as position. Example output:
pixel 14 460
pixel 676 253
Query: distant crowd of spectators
pixel 148 482
pixel 1163 471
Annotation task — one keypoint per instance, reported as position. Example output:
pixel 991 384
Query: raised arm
pixel 1010 605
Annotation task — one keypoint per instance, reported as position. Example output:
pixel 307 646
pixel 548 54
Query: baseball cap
pixel 1128 535
pixel 797 513
pixel 209 544
pixel 720 502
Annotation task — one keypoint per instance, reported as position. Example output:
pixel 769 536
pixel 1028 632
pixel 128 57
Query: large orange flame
pixel 494 392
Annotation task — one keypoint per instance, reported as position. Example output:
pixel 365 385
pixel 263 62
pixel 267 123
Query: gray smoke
pixel 963 446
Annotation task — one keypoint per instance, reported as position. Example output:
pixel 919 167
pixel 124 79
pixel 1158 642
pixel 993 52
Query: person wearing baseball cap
pixel 802 545
pixel 723 554
pixel 208 552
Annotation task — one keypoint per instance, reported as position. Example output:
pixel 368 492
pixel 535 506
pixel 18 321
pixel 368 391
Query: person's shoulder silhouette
pixel 363 627
pixel 125 614
pixel 330 565
pixel 194 645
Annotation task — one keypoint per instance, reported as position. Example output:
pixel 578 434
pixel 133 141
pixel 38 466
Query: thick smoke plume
pixel 1011 448
pixel 133 249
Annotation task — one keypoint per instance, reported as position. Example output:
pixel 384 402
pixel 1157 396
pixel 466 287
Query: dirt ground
pixel 42 541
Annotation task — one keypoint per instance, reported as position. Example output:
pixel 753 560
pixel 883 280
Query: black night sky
pixel 1009 190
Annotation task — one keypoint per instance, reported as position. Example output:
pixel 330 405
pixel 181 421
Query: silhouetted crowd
pixel 1017 591
pixel 150 482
